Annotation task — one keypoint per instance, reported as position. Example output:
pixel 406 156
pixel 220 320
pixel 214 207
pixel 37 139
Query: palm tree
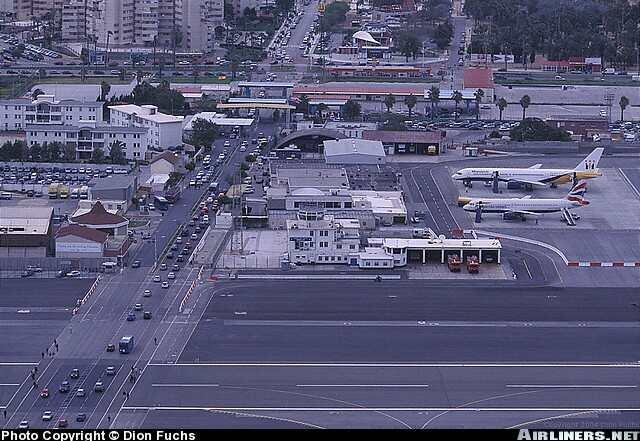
pixel 389 102
pixel 410 101
pixel 624 102
pixel 525 102
pixel 434 97
pixel 479 94
pixel 501 104
pixel 457 98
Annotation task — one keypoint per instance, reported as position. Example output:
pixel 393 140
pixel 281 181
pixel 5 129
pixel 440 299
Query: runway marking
pixel 17 363
pixel 527 268
pixel 362 385
pixel 401 365
pixel 573 386
pixel 390 409
pixel 9 384
pixel 183 385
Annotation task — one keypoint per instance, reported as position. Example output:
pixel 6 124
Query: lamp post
pixel 106 53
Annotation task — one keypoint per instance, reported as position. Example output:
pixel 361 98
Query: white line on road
pixel 18 363
pixel 574 386
pixel 389 409
pixel 362 385
pixel 410 365
pixel 183 385
pixel 9 384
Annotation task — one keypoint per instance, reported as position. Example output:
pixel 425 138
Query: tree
pixel 139 76
pixel 116 152
pixel 351 110
pixel 501 105
pixel 410 101
pixel 55 151
pixel 479 94
pixel 36 93
pixel 457 98
pixel 534 129
pixel 443 34
pixel 410 46
pixel 434 97
pixel 334 14
pixel 203 133
pixel 624 102
pixel 525 102
pixel 303 104
pixel 276 115
pixel 35 151
pixel 389 102
pixel 105 88
pixel 69 151
pixel 97 156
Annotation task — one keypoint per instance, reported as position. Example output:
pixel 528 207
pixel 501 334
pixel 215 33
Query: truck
pixel 84 192
pixel 172 194
pixel 126 344
pixel 454 262
pixel 473 266
pixel 63 191
pixel 161 203
pixel 53 190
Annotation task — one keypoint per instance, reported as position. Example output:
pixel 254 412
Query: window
pixel 348 205
pixel 352 247
pixel 339 246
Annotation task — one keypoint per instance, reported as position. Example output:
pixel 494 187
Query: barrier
pixel 598 264
pixel 187 296
pixel 86 297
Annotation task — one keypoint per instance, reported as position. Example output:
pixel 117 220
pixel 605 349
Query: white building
pixel 86 138
pixel 164 130
pixel 15 114
pixel 353 151
pixel 325 240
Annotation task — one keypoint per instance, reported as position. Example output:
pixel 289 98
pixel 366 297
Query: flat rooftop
pixel 25 220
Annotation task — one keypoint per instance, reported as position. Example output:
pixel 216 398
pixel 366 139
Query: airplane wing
pixel 536 166
pixel 523 212
pixel 542 184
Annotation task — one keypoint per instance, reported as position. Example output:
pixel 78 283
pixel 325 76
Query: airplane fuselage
pixel 521 205
pixel 545 176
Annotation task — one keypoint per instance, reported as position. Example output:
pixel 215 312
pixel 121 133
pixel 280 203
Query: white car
pixel 156 279
pixel 147 293
pixel 24 424
pixel 171 275
pixel 80 393
pixel 243 149
pixel 165 285
pixel 46 416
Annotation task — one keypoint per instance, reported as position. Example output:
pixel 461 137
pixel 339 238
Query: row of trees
pixel 558 29
pixel 58 152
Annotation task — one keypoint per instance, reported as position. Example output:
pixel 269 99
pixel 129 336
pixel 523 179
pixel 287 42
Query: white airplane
pixel 534 175
pixel 528 206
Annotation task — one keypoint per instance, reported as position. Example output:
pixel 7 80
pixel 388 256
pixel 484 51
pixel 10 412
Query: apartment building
pixel 15 114
pixel 164 130
pixel 199 20
pixel 32 9
pixel 89 137
pixel 322 240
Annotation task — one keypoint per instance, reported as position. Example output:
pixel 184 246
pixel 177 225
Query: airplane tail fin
pixel 591 161
pixel 577 193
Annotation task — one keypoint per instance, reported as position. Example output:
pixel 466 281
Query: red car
pixel 44 393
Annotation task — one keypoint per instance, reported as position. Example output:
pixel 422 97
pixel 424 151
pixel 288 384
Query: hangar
pixel 354 151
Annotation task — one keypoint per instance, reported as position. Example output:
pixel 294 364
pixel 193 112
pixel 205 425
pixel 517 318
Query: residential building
pixel 166 163
pixel 115 188
pixel 15 114
pixel 164 130
pixel 322 240
pixel 87 138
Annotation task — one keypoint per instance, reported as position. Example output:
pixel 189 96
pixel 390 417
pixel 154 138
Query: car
pixel 415 220
pixel 180 258
pixel 194 236
pixel 157 279
pixel 47 415
pixel 131 316
pixel 170 255
pixel 179 240
pixel 73 274
pixel 44 393
pixel 98 387
pixel 135 264
pixel 146 315
pixel 111 347
pixel 176 268
pixel 165 285
pixel 81 417
pixel 80 393
pixel 147 292
pixel 24 424
pixel 110 371
pixel 171 275
pixel 62 422
pixel 64 387
pixel 137 307
pixel 75 373
pixel 163 267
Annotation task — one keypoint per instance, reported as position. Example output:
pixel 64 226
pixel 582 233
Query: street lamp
pixel 106 53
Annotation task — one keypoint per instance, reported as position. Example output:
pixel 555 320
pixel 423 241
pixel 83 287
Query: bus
pixel 161 203
pixel 126 344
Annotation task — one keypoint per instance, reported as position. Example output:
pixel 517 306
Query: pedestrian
pixel 109 418
pixel 43 355
pixel 155 340
pixel 4 412
pixel 36 369
pixel 56 346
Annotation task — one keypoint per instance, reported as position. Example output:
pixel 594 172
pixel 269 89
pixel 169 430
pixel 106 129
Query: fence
pixel 11 267
pixel 249 261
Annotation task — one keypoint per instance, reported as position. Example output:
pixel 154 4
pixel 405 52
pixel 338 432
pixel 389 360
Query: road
pixel 82 342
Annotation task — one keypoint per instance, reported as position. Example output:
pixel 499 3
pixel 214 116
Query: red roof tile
pixel 84 232
pixel 168 156
pixel 98 216
pixel 478 78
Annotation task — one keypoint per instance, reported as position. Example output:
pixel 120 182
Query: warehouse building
pixel 26 232
pixel 115 188
pixel 76 241
pixel 353 151
pixel 410 142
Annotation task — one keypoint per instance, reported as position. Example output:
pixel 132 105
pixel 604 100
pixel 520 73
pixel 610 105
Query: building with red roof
pixel 480 78
pixel 100 219
pixel 75 241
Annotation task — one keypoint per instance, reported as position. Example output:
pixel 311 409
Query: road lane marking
pixel 362 385
pixel 390 409
pixel 18 363
pixel 414 365
pixel 184 385
pixel 573 386
pixel 10 384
